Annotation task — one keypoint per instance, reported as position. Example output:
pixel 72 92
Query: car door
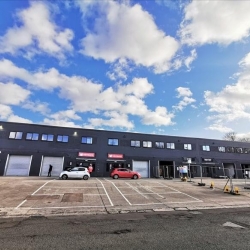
pixel 73 173
pixel 127 173
pixel 80 172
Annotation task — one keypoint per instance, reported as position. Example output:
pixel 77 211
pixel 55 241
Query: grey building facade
pixel 29 149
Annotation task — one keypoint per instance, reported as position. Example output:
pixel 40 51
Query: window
pixel 187 146
pixel 16 135
pixel 135 144
pixel 113 142
pixel 147 144
pixel 159 144
pixel 62 138
pixel 46 137
pixel 32 136
pixel 222 149
pixel 170 145
pixel 86 140
pixel 206 148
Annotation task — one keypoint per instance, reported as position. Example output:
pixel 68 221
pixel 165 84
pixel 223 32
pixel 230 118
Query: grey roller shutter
pixel 18 165
pixel 56 162
pixel 141 167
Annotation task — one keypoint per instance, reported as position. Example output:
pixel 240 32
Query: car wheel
pixel 85 177
pixel 135 176
pixel 64 177
pixel 116 176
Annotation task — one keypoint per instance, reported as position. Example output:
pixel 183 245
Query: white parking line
pixel 137 190
pixel 37 208
pixel 41 187
pixel 181 192
pixel 120 192
pixel 32 194
pixel 20 204
pixel 111 203
pixel 151 191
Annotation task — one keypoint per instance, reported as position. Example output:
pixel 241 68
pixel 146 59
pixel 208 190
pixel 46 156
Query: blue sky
pixel 159 66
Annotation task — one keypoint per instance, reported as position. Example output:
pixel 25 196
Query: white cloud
pixel 188 60
pixel 219 127
pixel 35 32
pixel 232 103
pixel 221 22
pixel 16 118
pixel 60 123
pixel 37 106
pixel 128 32
pixel 185 94
pixel 5 111
pixel 12 94
pixel 115 104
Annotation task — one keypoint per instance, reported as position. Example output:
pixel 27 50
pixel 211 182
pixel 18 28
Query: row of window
pixel 115 142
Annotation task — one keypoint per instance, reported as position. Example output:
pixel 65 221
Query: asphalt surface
pixel 203 229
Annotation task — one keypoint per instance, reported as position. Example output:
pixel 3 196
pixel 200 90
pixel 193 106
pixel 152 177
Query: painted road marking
pixel 136 190
pixel 181 192
pixel 41 187
pixel 106 193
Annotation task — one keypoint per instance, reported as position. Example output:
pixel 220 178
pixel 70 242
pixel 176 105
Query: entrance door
pixel 56 162
pixel 18 165
pixel 167 169
pixel 142 167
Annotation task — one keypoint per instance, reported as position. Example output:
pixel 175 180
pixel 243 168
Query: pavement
pixel 42 196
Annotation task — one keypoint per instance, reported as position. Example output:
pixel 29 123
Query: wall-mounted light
pixel 75 133
pixel 1 127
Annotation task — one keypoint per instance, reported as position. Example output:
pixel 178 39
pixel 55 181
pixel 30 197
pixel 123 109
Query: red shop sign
pixel 86 154
pixel 115 156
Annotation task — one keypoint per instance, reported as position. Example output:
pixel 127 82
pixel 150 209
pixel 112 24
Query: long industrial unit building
pixel 29 149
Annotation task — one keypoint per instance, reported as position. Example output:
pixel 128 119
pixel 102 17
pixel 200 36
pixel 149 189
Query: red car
pixel 124 173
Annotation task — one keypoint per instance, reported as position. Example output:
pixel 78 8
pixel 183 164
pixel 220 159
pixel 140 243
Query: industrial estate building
pixel 29 149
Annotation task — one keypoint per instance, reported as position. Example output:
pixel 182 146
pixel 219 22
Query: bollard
pixel 212 185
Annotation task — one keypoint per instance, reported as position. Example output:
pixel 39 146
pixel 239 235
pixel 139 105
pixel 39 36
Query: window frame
pixel 17 135
pixel 206 148
pixel 113 142
pixel 89 140
pixel 63 137
pixel 171 144
pixel 222 149
pixel 147 144
pixel 160 144
pixel 188 146
pixel 137 144
pixel 32 136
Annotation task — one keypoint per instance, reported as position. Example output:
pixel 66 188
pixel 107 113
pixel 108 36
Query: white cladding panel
pixel 141 167
pixel 18 165
pixel 56 162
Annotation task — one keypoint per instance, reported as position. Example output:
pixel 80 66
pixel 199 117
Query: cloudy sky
pixel 172 67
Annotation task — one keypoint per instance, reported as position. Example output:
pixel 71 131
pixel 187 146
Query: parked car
pixel 76 172
pixel 124 173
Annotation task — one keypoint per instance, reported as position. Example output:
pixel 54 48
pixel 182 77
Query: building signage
pixel 207 159
pixel 115 156
pixel 86 154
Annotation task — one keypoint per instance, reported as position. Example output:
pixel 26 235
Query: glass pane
pixel 12 135
pixel 65 138
pixel 19 135
pixel 84 139
pixel 110 141
pixel 59 138
pixel 50 137
pixel 44 137
pixel 89 140
pixel 35 137
pixel 29 136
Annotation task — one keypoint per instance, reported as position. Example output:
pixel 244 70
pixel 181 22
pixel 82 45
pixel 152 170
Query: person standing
pixel 90 168
pixel 50 170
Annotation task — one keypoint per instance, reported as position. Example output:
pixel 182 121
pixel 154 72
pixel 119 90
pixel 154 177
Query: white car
pixel 76 172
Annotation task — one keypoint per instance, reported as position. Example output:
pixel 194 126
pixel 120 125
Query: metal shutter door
pixel 141 167
pixel 56 162
pixel 18 165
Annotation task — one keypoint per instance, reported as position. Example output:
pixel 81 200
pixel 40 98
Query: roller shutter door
pixel 141 167
pixel 56 162
pixel 18 165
